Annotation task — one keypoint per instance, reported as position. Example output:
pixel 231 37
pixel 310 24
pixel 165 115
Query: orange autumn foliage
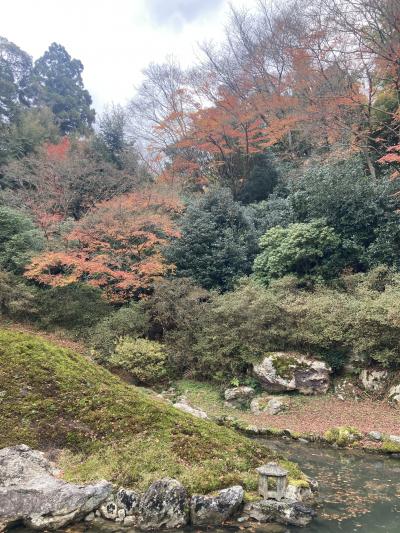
pixel 116 246
pixel 58 152
pixel 392 157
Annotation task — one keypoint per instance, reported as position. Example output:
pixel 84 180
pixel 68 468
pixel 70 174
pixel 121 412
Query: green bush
pixel 130 321
pixel 217 243
pixel 275 211
pixel 228 333
pixel 17 300
pixel 302 249
pixel 19 239
pixel 173 305
pixel 342 436
pixel 361 210
pixel 356 319
pixel 76 307
pixel 144 360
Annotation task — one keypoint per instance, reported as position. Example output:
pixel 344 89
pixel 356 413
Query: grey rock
pixel 301 373
pixel 394 438
pixel 375 435
pixel 268 404
pixel 128 500
pixel 30 492
pixel 90 517
pixel 182 405
pixel 394 394
pixel 120 515
pixel 165 505
pixel 373 380
pixel 131 521
pixel 276 406
pixel 299 494
pixel 238 396
pixel 287 512
pixel 109 509
pixel 214 510
pixel 314 486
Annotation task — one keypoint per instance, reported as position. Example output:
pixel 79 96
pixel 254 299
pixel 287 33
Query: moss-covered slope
pixel 53 398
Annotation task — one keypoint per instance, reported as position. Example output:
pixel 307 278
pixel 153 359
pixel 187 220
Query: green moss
pixel 295 475
pixel 285 365
pixel 53 397
pixel 274 432
pixel 342 436
pixel 389 446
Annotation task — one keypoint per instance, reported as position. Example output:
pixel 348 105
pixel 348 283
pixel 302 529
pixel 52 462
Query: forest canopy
pixel 258 182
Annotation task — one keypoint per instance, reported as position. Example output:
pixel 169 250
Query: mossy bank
pixel 52 398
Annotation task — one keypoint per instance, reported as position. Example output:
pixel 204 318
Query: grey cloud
pixel 178 12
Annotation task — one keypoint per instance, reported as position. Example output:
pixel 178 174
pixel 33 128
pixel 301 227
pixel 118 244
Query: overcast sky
pixel 115 39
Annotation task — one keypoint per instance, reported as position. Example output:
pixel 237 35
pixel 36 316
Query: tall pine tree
pixel 60 87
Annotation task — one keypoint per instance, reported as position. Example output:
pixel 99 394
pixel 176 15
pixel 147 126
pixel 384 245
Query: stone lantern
pixel 272 482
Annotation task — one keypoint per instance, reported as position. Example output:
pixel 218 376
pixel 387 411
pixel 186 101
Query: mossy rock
pixel 342 436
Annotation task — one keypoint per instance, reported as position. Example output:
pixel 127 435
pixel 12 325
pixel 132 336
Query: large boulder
pixel 214 510
pixel 394 394
pixel 373 380
pixel 288 512
pixel 165 505
pixel 281 371
pixel 31 493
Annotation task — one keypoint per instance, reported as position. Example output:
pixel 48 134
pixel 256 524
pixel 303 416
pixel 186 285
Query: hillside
pixel 52 398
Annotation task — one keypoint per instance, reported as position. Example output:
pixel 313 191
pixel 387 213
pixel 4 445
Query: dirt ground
pixel 317 414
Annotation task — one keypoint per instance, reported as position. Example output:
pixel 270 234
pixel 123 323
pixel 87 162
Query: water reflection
pixel 358 492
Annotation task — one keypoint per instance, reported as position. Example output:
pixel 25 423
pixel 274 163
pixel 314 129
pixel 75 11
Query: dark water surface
pixel 358 491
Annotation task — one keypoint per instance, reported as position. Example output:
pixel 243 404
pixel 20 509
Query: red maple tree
pixel 116 246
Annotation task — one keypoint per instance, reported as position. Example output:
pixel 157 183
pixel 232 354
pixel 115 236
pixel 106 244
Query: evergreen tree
pixel 15 80
pixel 60 87
pixel 217 243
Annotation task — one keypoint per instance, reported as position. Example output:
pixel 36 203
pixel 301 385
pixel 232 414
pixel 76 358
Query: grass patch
pixel 52 397
pixel 205 396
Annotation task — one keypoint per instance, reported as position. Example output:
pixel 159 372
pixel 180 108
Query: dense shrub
pixel 173 304
pixel 231 331
pixel 261 180
pixel 17 300
pixel 355 320
pixel 276 211
pixel 19 239
pixel 217 244
pixel 361 210
pixel 131 320
pixel 303 249
pixel 75 307
pixel 144 360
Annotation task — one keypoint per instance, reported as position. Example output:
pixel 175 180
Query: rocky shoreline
pixel 33 494
pixel 338 437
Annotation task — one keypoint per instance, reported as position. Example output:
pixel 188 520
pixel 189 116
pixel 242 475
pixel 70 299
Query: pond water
pixel 358 491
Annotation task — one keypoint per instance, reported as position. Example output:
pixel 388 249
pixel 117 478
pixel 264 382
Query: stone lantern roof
pixel 272 469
